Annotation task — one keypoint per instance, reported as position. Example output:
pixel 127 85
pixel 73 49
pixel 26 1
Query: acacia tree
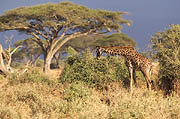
pixel 52 25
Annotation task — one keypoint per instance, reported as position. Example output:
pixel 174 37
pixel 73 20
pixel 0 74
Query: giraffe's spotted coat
pixel 133 60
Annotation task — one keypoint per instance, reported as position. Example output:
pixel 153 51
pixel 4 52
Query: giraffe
pixel 134 62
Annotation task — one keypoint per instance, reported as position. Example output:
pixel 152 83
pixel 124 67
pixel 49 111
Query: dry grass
pixel 29 99
pixel 34 95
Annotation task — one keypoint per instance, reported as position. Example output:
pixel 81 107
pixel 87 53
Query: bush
pixel 166 47
pixel 87 68
pixel 77 90
pixel 32 74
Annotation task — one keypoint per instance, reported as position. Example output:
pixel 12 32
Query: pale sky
pixel 148 16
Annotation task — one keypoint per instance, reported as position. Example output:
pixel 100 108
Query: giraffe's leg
pixel 130 70
pixel 131 78
pixel 134 77
pixel 147 77
pixel 149 84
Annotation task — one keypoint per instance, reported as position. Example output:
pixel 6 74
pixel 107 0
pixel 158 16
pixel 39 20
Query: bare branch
pixel 62 35
pixel 57 30
pixel 77 34
pixel 10 55
pixel 3 68
pixel 16 49
pixel 43 35
pixel 17 27
pixel 38 41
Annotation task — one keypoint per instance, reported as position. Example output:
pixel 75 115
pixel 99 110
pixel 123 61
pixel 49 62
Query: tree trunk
pixel 48 55
pixel 34 63
pixel 47 61
pixel 57 57
pixel 3 68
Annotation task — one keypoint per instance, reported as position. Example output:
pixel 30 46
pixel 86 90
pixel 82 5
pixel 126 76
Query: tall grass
pixel 87 89
pixel 77 100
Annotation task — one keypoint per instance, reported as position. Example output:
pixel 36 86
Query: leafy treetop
pixel 54 16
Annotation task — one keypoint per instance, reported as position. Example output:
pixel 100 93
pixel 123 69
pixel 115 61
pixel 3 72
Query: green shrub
pixel 87 68
pixel 77 90
pixel 32 74
pixel 166 47
pixel 39 63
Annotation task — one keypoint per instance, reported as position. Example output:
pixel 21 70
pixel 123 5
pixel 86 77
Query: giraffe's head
pixel 99 51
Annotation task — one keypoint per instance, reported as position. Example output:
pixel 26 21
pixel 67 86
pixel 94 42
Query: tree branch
pixel 10 55
pixel 16 49
pixel 38 41
pixel 62 35
pixel 77 34
pixel 19 27
pixel 43 35
pixel 57 31
pixel 3 68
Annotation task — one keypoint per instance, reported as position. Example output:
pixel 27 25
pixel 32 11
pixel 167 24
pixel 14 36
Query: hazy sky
pixel 148 16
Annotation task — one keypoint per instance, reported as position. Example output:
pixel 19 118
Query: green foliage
pixel 82 43
pixel 93 71
pixel 166 46
pixel 66 13
pixel 31 75
pixel 117 39
pixel 30 50
pixel 77 90
pixel 71 51
pixel 91 41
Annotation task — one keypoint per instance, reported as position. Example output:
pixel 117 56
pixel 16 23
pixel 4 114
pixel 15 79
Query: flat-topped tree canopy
pixel 52 25
pixel 63 14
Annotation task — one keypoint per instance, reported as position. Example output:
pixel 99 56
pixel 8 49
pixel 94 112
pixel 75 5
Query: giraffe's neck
pixel 124 51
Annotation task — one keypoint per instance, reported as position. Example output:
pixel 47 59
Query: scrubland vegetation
pixel 81 86
pixel 87 88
